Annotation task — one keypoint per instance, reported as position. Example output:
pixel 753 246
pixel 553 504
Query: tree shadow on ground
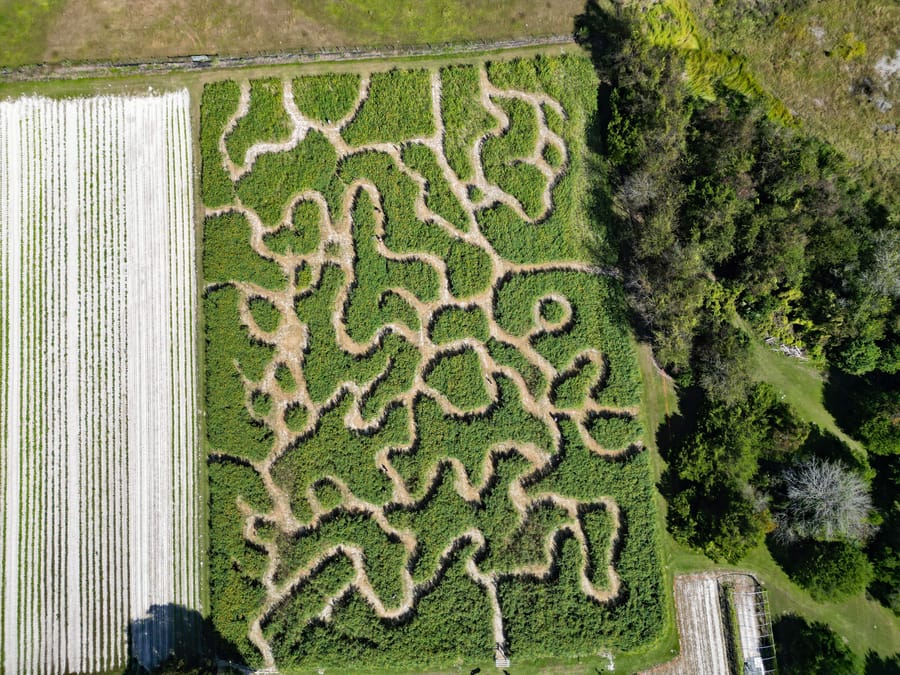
pixel 175 639
pixel 811 649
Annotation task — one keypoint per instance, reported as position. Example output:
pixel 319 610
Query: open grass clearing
pixel 112 29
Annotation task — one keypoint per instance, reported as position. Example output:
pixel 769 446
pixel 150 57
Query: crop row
pixel 97 387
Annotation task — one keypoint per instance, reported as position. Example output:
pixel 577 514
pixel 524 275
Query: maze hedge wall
pixel 422 399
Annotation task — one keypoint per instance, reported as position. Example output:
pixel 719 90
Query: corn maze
pixel 422 400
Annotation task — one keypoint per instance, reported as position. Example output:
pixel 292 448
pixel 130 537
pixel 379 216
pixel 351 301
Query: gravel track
pixel 97 385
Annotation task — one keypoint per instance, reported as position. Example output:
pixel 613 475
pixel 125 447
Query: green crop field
pixel 423 402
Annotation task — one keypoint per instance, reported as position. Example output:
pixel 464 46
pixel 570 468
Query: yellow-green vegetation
pixel 671 24
pixel 433 403
pixel 829 62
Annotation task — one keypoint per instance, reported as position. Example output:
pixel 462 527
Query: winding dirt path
pixel 290 341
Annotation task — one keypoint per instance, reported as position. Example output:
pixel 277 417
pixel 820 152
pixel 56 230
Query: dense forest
pixel 735 227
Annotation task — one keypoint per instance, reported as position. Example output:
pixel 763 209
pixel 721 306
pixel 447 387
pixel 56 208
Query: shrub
pixel 812 649
pixel 829 570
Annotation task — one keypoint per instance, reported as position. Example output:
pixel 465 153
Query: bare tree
pixel 825 500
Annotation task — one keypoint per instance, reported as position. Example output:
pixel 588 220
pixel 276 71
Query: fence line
pixel 163 65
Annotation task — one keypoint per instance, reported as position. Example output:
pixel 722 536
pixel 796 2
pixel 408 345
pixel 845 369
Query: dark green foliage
pixel 220 100
pixel 303 233
pixel 711 465
pixel 504 157
pixel 398 108
pixel 884 549
pixel 228 256
pixel 812 649
pixel 880 428
pixel 439 197
pixel 326 98
pixel 266 120
pixel 829 570
pixel 235 566
pixel 460 378
pixel 230 427
pixel 465 119
pixel 715 201
pixel 276 177
pixel 615 433
pixel 265 314
pixel 456 323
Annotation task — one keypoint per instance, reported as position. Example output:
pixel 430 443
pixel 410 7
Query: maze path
pixel 291 342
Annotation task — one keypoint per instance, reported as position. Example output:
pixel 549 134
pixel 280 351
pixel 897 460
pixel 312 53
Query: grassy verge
pixel 864 623
pixel 801 384
pixel 51 30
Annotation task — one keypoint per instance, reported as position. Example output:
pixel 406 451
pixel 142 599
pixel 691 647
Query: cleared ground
pixel 114 29
pixel 97 387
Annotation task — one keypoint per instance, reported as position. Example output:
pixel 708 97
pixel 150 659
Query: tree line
pixel 733 225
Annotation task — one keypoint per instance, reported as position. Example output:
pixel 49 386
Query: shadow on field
pixel 175 639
